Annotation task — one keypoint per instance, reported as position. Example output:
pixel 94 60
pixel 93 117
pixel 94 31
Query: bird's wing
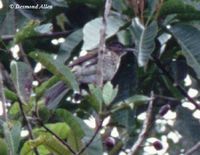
pixel 82 59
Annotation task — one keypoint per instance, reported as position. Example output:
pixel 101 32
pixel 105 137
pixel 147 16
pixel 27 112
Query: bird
pixel 85 70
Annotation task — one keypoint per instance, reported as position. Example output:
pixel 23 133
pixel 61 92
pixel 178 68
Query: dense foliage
pixel 156 79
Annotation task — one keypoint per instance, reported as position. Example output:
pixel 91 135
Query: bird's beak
pixel 132 50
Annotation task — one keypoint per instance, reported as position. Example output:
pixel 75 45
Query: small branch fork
pixel 92 138
pixel 56 136
pixel 180 89
pixel 143 134
pixel 193 149
pixel 102 48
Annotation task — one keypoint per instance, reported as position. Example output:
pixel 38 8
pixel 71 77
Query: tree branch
pixel 7 38
pixel 92 139
pixel 143 134
pixel 2 97
pixel 102 48
pixel 193 149
pixel 178 86
pixel 29 128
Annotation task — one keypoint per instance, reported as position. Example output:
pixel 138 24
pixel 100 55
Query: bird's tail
pixel 55 94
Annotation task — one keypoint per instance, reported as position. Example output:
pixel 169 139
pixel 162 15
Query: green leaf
pixel 91 31
pixel 57 68
pixel 3 147
pixel 67 47
pixel 16 132
pixel 60 129
pixel 95 97
pixel 27 31
pixel 124 117
pixel 188 38
pixel 9 139
pixel 145 40
pixel 181 9
pixel 46 140
pixel 44 28
pixel 109 93
pixel 59 3
pixel 96 146
pixel 152 6
pixel 138 99
pixel 10 94
pixel 21 75
pixel 45 85
pixel 76 132
pixel 7 21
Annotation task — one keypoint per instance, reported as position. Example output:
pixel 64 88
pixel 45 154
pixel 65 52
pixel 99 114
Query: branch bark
pixel 178 86
pixel 7 38
pixel 143 134
pixel 102 47
pixel 193 149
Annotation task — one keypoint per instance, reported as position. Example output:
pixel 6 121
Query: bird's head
pixel 116 47
pixel 119 48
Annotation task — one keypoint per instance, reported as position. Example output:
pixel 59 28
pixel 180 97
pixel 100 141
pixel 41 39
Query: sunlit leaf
pixel 145 40
pixel 57 68
pixel 67 47
pixel 109 93
pixel 22 77
pixel 188 38
pixel 91 31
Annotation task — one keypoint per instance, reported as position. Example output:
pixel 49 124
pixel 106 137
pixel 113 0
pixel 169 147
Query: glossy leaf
pixel 91 31
pixel 3 147
pixel 145 42
pixel 57 68
pixel 27 31
pixel 67 47
pixel 45 85
pixel 9 139
pixel 22 77
pixel 96 146
pixel 188 38
pixel 16 135
pixel 44 28
pixel 60 129
pixel 77 133
pixel 109 93
pixel 95 98
pixel 46 140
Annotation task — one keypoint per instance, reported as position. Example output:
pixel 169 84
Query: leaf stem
pixel 56 136
pixel 29 128
pixel 92 138
pixel 143 134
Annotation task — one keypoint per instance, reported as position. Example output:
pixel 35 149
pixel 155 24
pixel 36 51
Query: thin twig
pixel 57 137
pixel 29 127
pixel 102 48
pixel 2 97
pixel 7 38
pixel 178 86
pixel 143 134
pixel 92 138
pixel 193 149
pixel 166 98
